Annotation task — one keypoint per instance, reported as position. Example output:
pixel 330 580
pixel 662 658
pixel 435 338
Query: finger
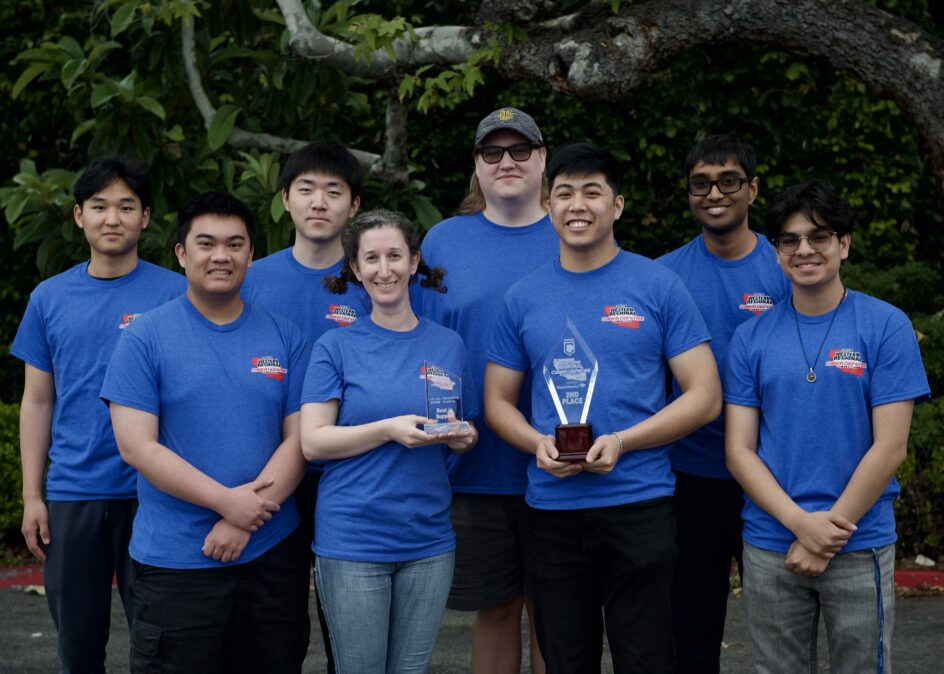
pixel 271 506
pixel 44 530
pixel 842 522
pixel 261 483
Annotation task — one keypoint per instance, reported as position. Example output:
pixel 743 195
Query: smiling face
pixel 319 205
pixel 721 213
pixel 215 256
pixel 807 269
pixel 112 220
pixel 583 210
pixel 384 266
pixel 509 179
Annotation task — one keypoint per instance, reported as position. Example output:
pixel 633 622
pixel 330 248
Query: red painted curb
pixel 912 578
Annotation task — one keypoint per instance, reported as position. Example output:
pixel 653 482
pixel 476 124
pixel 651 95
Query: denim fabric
pixel 856 596
pixel 384 616
pixel 88 545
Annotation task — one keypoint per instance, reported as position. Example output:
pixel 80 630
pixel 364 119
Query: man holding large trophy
pixel 596 330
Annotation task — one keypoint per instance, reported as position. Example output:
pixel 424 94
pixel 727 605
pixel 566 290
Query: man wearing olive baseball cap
pixel 501 233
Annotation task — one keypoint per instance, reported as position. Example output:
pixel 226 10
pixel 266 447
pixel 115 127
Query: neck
pixel 818 301
pixel 217 309
pixel 731 245
pixel 514 213
pixel 317 255
pixel 109 266
pixel 398 319
pixel 576 260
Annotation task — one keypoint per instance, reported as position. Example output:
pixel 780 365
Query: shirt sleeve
pixel 31 344
pixel 132 378
pixel 470 401
pixel 324 378
pixel 897 371
pixel 505 345
pixel 739 377
pixel 684 326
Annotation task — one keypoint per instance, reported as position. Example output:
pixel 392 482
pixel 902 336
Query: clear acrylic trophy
pixel 570 371
pixel 443 395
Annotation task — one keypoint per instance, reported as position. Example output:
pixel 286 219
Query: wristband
pixel 619 436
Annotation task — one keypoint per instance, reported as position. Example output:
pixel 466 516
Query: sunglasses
pixel 492 154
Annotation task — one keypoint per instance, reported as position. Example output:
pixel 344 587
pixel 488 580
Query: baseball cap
pixel 512 119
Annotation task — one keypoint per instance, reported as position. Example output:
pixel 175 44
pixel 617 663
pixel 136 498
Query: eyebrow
pixel 103 200
pixel 582 185
pixel 732 172
pixel 329 183
pixel 203 236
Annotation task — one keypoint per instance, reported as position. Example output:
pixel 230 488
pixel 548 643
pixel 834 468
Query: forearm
pixel 759 483
pixel 342 442
pixel 35 437
pixel 693 409
pixel 869 481
pixel 504 417
pixel 286 469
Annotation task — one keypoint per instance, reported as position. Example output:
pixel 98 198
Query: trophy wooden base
pixel 573 441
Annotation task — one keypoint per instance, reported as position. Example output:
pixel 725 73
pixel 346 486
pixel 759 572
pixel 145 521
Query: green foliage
pixel 11 480
pixel 920 509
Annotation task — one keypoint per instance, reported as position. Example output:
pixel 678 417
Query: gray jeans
pixel 856 595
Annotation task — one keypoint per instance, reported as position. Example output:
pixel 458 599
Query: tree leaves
pixel 222 125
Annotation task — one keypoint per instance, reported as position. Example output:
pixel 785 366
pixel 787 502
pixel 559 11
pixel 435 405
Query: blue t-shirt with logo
pixel 813 436
pixel 286 287
pixel 633 315
pixel 727 292
pixel 482 260
pixel 70 329
pixel 392 503
pixel 221 393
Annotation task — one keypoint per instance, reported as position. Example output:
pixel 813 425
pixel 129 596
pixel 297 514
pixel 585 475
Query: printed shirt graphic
pixel 728 293
pixel 270 366
pixel 622 315
pixel 341 314
pixel 127 319
pixel 848 361
pixel 813 436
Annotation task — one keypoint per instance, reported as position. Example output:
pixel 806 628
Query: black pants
pixel 88 547
pixel 250 617
pixel 602 569
pixel 708 513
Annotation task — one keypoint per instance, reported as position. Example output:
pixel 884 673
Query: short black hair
pixel 324 156
pixel 721 148
pixel 214 203
pixel 583 159
pixel 817 200
pixel 106 170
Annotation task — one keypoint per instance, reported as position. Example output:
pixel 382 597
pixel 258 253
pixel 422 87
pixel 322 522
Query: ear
pixel 414 263
pixel 355 204
pixel 145 218
pixel 77 216
pixel 845 243
pixel 181 253
pixel 752 190
pixel 285 199
pixel 618 203
pixel 353 265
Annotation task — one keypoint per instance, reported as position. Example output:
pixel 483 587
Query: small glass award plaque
pixel 443 395
pixel 570 371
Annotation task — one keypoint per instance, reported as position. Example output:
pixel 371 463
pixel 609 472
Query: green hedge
pixel 11 481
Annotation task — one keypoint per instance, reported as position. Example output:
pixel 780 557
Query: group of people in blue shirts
pixel 209 437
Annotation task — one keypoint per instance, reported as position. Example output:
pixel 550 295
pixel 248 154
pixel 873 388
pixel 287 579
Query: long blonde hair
pixel 474 201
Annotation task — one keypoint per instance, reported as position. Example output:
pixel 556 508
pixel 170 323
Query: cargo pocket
pixel 145 648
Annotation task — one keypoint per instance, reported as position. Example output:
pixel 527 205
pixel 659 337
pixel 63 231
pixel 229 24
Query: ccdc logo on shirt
pixel 269 366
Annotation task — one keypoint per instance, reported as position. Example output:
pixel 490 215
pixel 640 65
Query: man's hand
pixel 802 561
pixel 547 455
pixel 603 455
pixel 36 527
pixel 244 508
pixel 824 532
pixel 225 542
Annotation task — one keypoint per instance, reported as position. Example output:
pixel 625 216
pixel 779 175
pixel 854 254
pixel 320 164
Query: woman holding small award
pixel 383 538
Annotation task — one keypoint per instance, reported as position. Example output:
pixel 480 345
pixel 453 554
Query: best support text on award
pixel 570 371
pixel 443 395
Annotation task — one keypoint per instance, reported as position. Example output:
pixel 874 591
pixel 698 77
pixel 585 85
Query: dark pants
pixel 250 617
pixel 708 513
pixel 306 496
pixel 602 569
pixel 88 547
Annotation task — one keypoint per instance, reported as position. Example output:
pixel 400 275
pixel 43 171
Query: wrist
pixel 619 439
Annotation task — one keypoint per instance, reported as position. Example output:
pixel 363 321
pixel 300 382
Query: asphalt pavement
pixel 28 638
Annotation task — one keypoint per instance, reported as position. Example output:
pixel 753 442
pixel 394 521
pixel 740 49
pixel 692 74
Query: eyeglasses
pixel 492 154
pixel 701 187
pixel 820 240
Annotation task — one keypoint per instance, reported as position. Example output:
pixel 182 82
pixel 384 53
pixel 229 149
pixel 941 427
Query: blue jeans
pixel 856 596
pixel 384 616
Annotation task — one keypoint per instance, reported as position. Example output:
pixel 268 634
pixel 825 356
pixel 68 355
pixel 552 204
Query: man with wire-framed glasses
pixel 732 273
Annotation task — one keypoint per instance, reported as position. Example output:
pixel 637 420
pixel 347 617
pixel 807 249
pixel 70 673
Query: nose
pixel 221 253
pixel 715 193
pixel 577 203
pixel 111 216
pixel 318 200
pixel 804 247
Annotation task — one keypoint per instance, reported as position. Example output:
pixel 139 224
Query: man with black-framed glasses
pixel 819 396
pixel 732 273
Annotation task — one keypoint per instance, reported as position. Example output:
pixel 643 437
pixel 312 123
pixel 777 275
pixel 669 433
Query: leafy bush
pixel 920 509
pixel 11 482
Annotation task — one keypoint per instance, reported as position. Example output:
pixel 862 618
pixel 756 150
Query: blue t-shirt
pixel 634 315
pixel 392 503
pixel 221 393
pixel 286 287
pixel 728 292
pixel 482 260
pixel 813 436
pixel 70 329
